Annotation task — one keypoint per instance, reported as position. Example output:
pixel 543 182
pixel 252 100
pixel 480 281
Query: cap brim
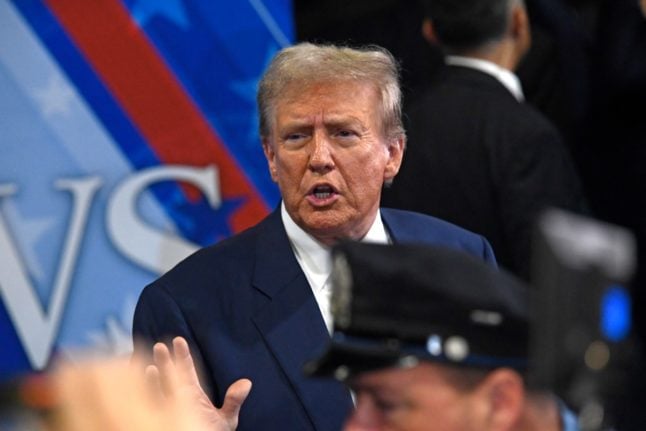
pixel 343 360
pixel 350 355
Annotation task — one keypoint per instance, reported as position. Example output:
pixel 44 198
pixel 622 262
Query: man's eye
pixel 386 406
pixel 294 136
pixel 345 133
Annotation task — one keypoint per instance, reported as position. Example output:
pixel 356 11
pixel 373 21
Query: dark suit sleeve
pixel 158 318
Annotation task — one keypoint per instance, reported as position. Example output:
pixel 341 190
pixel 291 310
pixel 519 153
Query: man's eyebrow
pixel 365 386
pixel 377 392
pixel 344 122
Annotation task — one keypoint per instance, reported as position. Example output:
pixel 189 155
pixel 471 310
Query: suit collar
pixel 461 75
pixel 393 226
pixel 505 76
pixel 276 264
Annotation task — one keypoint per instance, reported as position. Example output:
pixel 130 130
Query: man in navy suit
pixel 255 307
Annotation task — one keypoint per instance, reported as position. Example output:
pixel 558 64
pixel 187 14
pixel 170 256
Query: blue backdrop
pixel 128 138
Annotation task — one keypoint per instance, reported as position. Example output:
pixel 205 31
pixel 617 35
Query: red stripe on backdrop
pixel 146 89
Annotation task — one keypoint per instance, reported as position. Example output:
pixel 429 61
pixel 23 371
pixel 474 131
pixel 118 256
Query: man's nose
pixel 321 159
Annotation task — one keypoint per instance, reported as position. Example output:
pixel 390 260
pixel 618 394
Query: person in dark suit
pixel 479 156
pixel 255 307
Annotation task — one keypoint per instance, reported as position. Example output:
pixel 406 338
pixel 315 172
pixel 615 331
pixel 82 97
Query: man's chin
pixel 327 227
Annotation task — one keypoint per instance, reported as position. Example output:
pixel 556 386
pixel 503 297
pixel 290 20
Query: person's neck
pixel 541 413
pixel 354 233
pixel 329 240
pixel 505 54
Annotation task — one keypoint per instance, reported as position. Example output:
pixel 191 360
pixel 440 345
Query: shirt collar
pixel 315 255
pixel 506 77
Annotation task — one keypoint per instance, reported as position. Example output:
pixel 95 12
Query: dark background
pixel 586 71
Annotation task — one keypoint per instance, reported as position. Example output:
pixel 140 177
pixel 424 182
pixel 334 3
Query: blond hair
pixel 306 63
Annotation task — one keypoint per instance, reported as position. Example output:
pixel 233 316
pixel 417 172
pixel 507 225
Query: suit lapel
pixel 292 326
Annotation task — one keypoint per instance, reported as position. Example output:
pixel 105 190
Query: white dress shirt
pixel 315 260
pixel 506 77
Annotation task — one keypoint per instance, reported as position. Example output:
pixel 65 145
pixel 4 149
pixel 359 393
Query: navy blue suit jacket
pixel 246 309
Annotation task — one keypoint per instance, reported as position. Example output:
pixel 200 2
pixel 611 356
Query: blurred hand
pixel 114 395
pixel 175 376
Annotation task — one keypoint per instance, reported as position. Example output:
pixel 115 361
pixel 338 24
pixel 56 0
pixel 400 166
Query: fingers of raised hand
pixel 175 373
pixel 166 369
pixel 233 399
pixel 184 361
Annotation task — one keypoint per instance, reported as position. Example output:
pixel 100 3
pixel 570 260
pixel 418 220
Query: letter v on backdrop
pixel 37 325
pixel 114 120
pixel 157 251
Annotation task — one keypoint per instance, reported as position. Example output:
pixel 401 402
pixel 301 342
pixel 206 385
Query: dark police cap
pixel 394 305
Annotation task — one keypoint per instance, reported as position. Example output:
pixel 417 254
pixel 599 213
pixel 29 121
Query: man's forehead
pixel 300 92
pixel 328 118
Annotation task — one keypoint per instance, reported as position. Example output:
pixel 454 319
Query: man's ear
pixel 270 155
pixel 520 28
pixel 503 392
pixel 395 150
pixel 428 31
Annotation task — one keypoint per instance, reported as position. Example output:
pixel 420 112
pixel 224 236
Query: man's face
pixel 330 159
pixel 419 398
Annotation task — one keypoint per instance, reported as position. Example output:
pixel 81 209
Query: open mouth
pixel 323 192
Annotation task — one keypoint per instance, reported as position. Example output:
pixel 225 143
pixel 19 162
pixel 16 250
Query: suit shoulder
pixel 403 221
pixel 412 227
pixel 423 220
pixel 213 262
pixel 237 246
pixel 530 116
